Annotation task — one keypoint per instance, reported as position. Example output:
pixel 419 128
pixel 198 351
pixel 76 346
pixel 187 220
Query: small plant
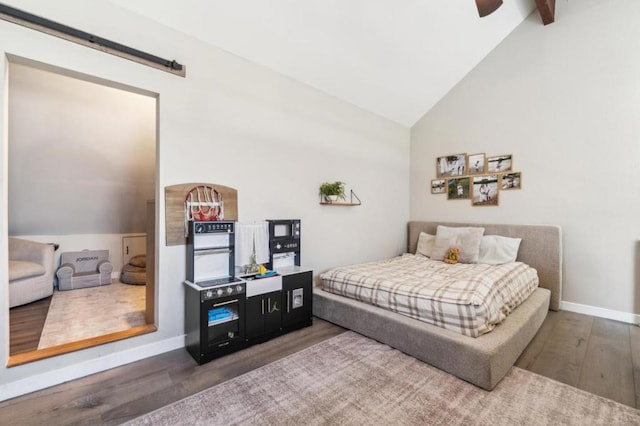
pixel 333 189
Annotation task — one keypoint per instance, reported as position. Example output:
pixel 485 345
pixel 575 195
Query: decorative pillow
pixel 496 249
pixel 467 239
pixel 425 244
pixel 139 260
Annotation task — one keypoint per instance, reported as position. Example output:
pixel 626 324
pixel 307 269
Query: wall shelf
pixel 353 201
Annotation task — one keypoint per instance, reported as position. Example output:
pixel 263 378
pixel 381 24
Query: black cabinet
pixel 297 299
pixel 263 316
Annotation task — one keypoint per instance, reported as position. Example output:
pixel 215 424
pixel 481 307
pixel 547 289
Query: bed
pixel 482 360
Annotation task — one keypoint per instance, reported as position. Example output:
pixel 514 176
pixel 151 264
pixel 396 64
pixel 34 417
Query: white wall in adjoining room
pixel 228 122
pixel 564 99
pixel 81 155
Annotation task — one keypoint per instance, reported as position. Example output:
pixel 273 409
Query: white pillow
pixel 467 239
pixel 425 244
pixel 496 249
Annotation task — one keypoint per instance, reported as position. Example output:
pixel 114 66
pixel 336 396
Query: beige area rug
pixel 89 312
pixel 352 380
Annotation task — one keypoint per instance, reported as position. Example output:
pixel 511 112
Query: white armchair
pixel 31 268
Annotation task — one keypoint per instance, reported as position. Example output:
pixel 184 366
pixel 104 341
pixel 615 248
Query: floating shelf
pixel 353 201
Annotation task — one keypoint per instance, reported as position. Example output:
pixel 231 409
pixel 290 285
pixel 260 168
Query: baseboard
pixel 76 371
pixel 600 312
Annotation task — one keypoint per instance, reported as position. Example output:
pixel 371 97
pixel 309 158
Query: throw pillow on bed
pixel 467 239
pixel 426 243
pixel 496 249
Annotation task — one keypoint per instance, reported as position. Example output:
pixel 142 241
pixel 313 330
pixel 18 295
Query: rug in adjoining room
pixel 93 311
pixel 352 380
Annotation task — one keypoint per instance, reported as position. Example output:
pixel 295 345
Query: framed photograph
pixel 458 189
pixel 438 186
pixel 499 164
pixel 477 164
pixel 511 181
pixel 451 165
pixel 485 190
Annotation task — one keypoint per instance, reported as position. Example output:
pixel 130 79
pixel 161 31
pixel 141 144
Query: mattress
pixel 470 299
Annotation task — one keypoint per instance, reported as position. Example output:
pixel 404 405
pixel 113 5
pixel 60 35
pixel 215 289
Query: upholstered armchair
pixel 87 268
pixel 31 268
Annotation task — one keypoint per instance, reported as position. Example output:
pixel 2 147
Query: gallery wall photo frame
pixel 486 190
pixel 477 177
pixel 438 186
pixel 458 188
pixel 509 181
pixel 451 165
pixel 477 163
pixel 499 163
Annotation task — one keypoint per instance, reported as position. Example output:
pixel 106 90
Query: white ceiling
pixel 395 58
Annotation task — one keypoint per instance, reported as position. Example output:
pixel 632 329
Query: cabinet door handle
pixel 262 302
pixel 288 301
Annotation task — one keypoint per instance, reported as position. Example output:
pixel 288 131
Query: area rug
pixel 93 311
pixel 353 380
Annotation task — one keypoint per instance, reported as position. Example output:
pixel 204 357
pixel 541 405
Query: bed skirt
pixel 483 360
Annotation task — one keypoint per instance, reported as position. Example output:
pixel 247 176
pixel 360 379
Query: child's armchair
pixel 87 268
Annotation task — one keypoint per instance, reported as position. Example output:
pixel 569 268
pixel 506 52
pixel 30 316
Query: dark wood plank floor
pixel 25 325
pixel 597 355
pixel 594 354
pixel 120 394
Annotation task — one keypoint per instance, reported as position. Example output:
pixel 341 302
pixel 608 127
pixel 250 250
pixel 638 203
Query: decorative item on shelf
pixel 452 255
pixel 330 192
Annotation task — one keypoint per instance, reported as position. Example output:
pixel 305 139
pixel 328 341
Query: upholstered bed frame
pixel 484 360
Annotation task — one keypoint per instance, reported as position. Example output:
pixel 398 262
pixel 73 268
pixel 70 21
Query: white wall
pixel 81 155
pixel 232 123
pixel 564 99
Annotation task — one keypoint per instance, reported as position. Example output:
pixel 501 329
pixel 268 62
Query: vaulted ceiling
pixel 395 58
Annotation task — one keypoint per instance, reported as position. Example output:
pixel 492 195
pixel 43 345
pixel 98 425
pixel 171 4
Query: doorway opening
pixel 82 176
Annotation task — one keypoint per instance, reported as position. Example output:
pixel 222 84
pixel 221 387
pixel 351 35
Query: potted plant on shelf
pixel 332 191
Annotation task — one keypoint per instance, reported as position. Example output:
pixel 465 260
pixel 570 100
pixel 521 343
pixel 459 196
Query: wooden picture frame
pixel 486 191
pixel 510 181
pixel 438 186
pixel 499 164
pixel 451 165
pixel 477 164
pixel 458 188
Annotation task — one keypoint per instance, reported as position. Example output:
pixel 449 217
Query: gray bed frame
pixel 484 360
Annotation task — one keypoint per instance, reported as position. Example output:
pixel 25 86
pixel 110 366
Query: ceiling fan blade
pixel 486 7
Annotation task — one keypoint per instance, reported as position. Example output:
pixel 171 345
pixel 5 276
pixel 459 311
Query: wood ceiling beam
pixel 547 9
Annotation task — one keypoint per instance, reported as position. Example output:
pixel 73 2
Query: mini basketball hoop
pixel 202 203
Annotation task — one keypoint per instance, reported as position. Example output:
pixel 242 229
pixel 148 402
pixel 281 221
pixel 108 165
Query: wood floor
pixel 593 354
pixel 25 325
pixel 597 355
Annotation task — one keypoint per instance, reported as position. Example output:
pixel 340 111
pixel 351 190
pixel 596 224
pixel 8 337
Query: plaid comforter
pixel 470 299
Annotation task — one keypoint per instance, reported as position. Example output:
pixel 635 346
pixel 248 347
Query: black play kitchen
pixel 224 312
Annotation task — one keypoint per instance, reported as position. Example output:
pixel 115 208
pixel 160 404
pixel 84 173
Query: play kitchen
pixel 225 310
